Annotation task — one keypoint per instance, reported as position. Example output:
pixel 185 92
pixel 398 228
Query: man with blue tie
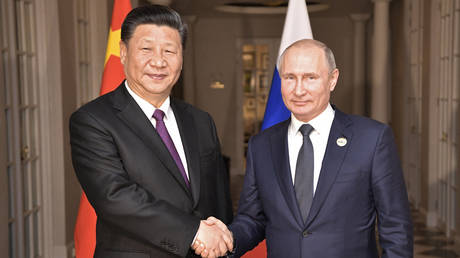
pixel 318 183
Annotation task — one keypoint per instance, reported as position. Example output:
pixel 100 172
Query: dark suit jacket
pixel 358 183
pixel 143 206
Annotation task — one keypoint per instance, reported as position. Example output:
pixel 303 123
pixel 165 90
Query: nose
pixel 299 88
pixel 157 60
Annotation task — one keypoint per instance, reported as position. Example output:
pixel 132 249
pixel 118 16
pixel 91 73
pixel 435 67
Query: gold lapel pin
pixel 341 141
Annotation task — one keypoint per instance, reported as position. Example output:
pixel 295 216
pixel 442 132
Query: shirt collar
pixel 321 123
pixel 148 108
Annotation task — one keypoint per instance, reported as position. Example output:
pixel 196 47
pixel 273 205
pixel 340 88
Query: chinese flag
pixel 85 227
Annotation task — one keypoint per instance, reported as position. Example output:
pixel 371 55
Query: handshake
pixel 213 239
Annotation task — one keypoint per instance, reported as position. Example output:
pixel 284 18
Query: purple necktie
pixel 163 132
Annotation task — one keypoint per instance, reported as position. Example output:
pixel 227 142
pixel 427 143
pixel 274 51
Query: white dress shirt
pixel 319 136
pixel 169 119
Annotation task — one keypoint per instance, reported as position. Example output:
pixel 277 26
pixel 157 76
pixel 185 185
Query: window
pixel 85 89
pixel 18 33
pixel 448 103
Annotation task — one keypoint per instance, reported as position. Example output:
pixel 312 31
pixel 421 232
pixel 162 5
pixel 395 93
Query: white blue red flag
pixel 296 27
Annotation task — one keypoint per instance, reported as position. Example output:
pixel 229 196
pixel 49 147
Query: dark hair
pixel 153 14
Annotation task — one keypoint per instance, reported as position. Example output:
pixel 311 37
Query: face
pixel 152 61
pixel 306 83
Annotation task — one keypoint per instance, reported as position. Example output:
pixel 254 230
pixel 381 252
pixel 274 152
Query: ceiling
pixel 207 8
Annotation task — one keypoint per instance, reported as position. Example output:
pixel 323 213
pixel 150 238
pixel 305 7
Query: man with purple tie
pixel 150 164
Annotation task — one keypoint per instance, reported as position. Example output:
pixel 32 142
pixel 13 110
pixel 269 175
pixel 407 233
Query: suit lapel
pixel 332 161
pixel 189 138
pixel 280 157
pixel 131 114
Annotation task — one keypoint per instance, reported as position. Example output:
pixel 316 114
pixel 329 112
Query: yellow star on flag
pixel 113 44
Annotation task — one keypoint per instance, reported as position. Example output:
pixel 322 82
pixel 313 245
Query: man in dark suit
pixel 149 164
pixel 317 184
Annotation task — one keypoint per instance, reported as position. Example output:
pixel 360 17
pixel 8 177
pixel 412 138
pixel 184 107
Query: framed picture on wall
pixel 263 82
pixel 248 84
pixel 265 60
pixel 249 60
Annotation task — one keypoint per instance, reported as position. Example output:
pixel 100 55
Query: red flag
pixel 259 251
pixel 85 227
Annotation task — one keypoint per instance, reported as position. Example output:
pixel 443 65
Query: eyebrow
pixel 310 74
pixel 169 43
pixel 303 74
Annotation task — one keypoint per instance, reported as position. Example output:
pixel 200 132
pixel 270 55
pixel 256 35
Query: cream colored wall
pixel 426 74
pixel 457 208
pixel 3 176
pixel 69 83
pixel 400 70
pixel 337 33
pixel 51 124
pixel 215 42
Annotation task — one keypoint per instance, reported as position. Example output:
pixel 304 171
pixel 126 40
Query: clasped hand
pixel 213 239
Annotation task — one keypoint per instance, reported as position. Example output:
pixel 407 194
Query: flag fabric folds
pixel 113 69
pixel 85 226
pixel 296 27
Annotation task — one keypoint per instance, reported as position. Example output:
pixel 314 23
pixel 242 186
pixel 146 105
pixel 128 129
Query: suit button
pixel 306 233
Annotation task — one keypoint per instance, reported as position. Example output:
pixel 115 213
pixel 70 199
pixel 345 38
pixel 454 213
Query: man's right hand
pixel 213 239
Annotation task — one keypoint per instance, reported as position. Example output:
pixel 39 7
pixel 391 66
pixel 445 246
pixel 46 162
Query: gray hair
pixel 308 43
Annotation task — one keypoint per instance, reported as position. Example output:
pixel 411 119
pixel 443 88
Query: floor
pixel 431 242
pixel 428 243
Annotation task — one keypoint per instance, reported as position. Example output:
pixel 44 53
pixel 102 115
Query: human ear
pixel 123 51
pixel 333 79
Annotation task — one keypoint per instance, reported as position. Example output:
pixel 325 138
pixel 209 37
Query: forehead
pixel 155 32
pixel 307 57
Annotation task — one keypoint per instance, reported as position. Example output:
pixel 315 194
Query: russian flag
pixel 296 27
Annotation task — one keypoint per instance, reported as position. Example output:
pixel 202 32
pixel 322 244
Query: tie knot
pixel 158 114
pixel 306 129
